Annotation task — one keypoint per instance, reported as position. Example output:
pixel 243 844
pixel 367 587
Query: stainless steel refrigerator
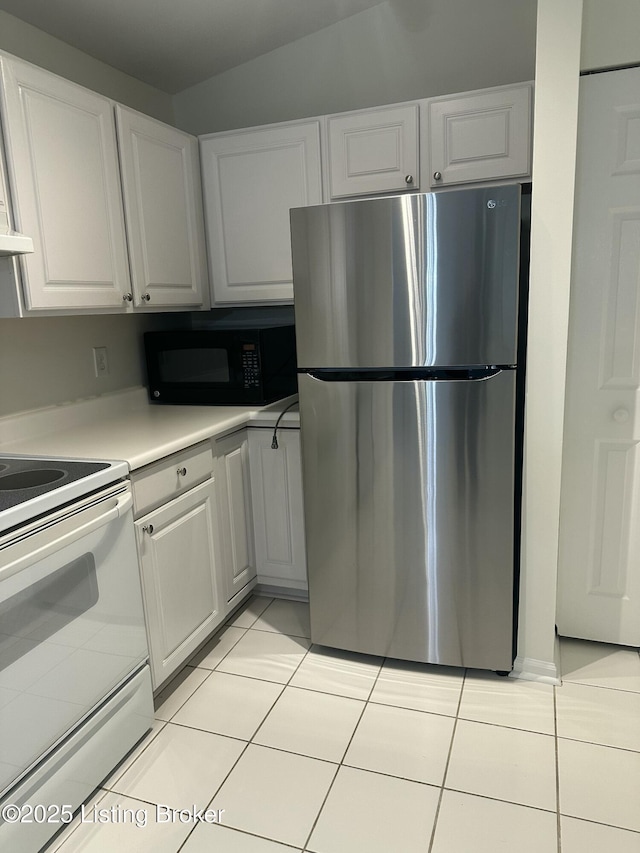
pixel 406 314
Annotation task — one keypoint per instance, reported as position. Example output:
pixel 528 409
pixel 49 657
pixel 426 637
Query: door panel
pixel 409 517
pixel 163 202
pixel 417 280
pixel 480 136
pixel 373 151
pixel 65 176
pixel 599 556
pixel 251 179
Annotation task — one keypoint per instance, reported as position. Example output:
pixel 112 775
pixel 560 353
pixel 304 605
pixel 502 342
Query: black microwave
pixel 213 367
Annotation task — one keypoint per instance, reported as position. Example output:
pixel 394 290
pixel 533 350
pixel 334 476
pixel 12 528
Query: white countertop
pixel 126 426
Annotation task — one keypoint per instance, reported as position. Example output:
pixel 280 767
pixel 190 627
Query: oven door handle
pixel 51 546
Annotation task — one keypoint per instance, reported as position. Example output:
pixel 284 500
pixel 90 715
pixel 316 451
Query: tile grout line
pixel 557 768
pixel 446 766
pixel 247 744
pixel 353 733
pixel 181 706
pixel 235 763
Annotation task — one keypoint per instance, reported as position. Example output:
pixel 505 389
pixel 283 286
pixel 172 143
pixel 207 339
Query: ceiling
pixel 173 44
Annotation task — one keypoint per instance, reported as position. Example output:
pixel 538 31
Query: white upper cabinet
pixel 373 151
pixel 63 169
pixel 480 136
pixel 251 179
pixel 163 207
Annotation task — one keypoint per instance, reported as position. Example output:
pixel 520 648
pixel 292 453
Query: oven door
pixel 71 623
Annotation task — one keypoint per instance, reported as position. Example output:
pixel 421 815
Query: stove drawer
pixel 164 480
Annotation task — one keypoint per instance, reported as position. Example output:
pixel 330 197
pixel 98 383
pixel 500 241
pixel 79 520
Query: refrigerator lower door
pixel 409 515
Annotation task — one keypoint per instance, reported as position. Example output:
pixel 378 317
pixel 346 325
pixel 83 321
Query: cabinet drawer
pixel 168 478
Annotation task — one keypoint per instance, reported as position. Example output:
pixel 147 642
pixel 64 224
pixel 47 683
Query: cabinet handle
pixel 148 528
pixel 182 472
pixel 146 297
pixel 621 416
pixel 127 297
pixel 437 176
pixel 408 179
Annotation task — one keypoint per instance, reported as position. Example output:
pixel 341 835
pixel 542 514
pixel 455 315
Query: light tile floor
pixel 311 750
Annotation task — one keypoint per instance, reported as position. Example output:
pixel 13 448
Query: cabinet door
pixel 182 603
pixel 481 136
pixel 163 204
pixel 373 152
pixel 278 522
pixel 232 463
pixel 63 167
pixel 251 180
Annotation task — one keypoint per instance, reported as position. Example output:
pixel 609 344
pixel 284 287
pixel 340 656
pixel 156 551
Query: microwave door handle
pixel 50 547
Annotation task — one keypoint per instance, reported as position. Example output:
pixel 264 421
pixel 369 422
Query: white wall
pixel 45 361
pixel 399 50
pixel 49 360
pixel 35 46
pixel 610 34
pixel 554 158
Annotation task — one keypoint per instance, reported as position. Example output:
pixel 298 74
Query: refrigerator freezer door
pixel 408 281
pixel 409 513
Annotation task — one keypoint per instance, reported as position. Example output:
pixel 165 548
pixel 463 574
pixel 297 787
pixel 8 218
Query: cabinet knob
pixel 182 472
pixel 146 297
pixel 437 176
pixel 127 297
pixel 621 416
pixel 148 528
pixel 408 179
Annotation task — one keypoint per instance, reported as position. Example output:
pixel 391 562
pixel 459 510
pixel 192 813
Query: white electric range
pixel 75 687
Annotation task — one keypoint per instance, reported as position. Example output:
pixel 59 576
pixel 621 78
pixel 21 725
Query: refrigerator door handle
pixel 476 373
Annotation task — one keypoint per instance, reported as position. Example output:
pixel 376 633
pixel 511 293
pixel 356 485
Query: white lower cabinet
pixel 238 569
pixel 176 547
pixel 278 521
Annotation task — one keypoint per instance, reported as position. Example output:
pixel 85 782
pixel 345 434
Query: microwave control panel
pixel 250 366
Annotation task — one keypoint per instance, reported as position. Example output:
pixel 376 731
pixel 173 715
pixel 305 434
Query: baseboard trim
pixel 531 669
pixel 281 592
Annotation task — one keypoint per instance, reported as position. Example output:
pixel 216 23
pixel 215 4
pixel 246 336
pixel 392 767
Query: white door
pixel 251 179
pixel 63 167
pixel 374 151
pixel 599 569
pixel 163 202
pixel 480 136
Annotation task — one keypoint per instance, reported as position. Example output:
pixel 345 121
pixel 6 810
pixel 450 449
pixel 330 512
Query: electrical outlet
pixel 100 361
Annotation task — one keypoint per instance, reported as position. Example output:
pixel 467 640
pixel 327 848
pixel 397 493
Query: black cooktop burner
pixel 24 479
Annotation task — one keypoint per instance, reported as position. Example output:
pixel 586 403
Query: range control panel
pixel 250 366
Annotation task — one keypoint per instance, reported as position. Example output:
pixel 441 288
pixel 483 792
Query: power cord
pixel 274 440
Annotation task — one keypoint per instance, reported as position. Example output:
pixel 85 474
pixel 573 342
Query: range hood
pixel 12 243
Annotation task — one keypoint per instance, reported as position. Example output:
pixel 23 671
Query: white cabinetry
pixel 232 473
pixel 480 136
pixel 67 180
pixel 251 180
pixel 373 151
pixel 63 168
pixel 178 556
pixel 163 206
pixel 278 522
